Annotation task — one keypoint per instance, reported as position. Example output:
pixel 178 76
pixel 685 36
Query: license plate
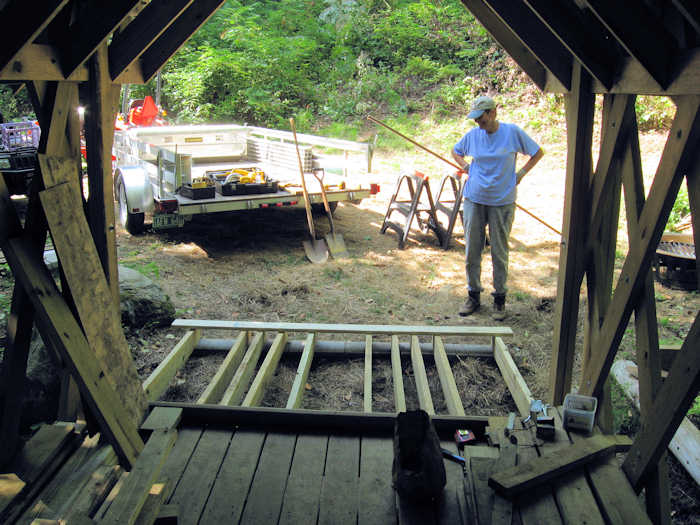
pixel 168 220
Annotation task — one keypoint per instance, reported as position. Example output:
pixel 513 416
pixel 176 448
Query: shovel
pixel 316 249
pixel 335 242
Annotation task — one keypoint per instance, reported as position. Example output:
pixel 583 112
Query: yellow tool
pixel 201 182
pixel 248 176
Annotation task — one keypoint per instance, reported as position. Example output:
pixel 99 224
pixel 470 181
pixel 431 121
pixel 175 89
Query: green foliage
pixel 149 269
pixel 15 105
pixel 681 208
pixel 695 409
pixel 654 112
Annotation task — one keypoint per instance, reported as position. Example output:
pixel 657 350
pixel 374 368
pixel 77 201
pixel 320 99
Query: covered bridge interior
pixel 71 52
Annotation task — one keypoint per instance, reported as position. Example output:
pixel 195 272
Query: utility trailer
pixel 18 147
pixel 173 173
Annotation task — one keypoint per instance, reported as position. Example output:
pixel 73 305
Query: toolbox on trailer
pixel 206 192
pixel 242 181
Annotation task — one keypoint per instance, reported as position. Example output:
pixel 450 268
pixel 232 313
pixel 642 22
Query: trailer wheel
pixel 318 209
pixel 132 222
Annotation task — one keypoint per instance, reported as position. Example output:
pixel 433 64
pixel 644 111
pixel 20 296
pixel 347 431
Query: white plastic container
pixel 579 412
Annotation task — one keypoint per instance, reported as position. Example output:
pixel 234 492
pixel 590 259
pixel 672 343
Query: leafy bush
pixel 654 112
pixel 681 208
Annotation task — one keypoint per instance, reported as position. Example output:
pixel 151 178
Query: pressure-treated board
pixel 367 400
pixel 133 494
pixel 303 492
pixel 216 387
pixel 376 494
pixel 157 383
pixel 267 370
pixel 447 379
pixel 424 398
pixel 187 439
pixel 512 377
pixel 233 481
pixel 239 383
pixel 296 394
pixel 513 481
pixel 361 329
pixel 339 493
pixel 98 314
pixel 397 376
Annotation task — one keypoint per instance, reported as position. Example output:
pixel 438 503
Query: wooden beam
pixel 425 400
pixel 690 11
pixel 61 332
pixel 224 374
pixel 162 418
pixel 692 180
pixel 584 39
pixel 512 45
pixel 514 380
pixel 367 400
pixel 23 22
pixel 126 507
pixel 239 383
pixel 678 152
pixel 536 36
pixel 100 112
pixel 646 330
pixel 39 62
pixel 639 32
pixel 579 125
pixel 301 420
pixel 618 123
pixel 176 35
pixel 447 379
pixel 99 317
pixel 297 392
pixel 128 45
pixel 157 383
pixel 358 329
pixel 397 375
pixel 266 371
pixel 527 476
pixel 94 23
pixel 669 408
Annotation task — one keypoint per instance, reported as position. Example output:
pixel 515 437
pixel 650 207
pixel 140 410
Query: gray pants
pixel 500 221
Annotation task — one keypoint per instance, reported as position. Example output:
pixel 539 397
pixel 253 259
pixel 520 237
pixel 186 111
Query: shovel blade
pixel 316 250
pixel 336 245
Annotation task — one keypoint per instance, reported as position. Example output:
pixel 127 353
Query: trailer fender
pixel 139 194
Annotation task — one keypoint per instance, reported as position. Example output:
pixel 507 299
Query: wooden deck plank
pixel 266 371
pixel 451 510
pixel 360 329
pixel 537 506
pixel 339 493
pixel 447 379
pixel 397 375
pixel 543 470
pixel 187 439
pixel 618 501
pixel 424 398
pixel 376 495
pixel 296 394
pixel 157 383
pixel 502 513
pixel 162 417
pixel 303 494
pixel 239 383
pixel 127 506
pixel 267 491
pixel 198 478
pixel 367 400
pixel 481 470
pixel 216 387
pixel 233 482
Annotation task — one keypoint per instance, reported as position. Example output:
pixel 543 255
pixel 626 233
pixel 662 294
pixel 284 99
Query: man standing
pixel 489 196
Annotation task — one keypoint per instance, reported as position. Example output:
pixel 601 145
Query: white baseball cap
pixel 480 105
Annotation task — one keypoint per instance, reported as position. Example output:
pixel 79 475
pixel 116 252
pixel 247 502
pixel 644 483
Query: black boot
pixel 499 307
pixel 471 305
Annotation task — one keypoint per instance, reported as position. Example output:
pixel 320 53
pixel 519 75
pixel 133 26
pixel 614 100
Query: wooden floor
pixel 248 472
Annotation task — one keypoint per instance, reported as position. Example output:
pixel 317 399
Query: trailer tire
pixel 132 222
pixel 318 209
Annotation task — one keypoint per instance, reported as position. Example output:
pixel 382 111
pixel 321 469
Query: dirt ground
pixel 251 266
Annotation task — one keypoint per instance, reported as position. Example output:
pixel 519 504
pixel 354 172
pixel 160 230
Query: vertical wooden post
pixel 579 122
pixel 646 330
pixel 102 104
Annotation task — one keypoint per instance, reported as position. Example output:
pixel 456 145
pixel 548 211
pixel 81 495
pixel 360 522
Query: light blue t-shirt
pixel 492 171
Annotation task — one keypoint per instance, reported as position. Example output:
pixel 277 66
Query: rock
pixel 143 302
